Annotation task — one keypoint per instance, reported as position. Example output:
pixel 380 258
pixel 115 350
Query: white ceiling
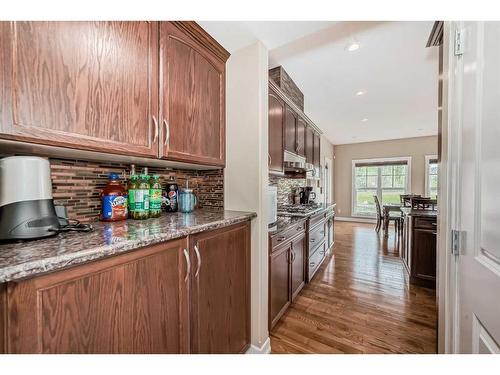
pixel 392 65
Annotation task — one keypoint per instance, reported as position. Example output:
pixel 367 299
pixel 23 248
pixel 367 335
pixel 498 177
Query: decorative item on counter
pixel 171 195
pixel 155 196
pixel 114 200
pixel 187 199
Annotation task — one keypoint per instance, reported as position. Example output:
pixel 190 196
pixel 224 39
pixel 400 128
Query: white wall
pixel 246 174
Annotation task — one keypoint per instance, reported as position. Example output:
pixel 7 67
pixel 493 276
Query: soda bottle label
pixel 155 199
pixel 139 200
pixel 145 194
pixel 131 199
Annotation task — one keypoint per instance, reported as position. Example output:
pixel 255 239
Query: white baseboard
pixel 356 219
pixel 264 349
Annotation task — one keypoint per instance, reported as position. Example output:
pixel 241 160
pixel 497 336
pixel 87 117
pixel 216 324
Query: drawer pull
pixel 322 252
pixel 312 264
pixel 322 232
pixel 435 224
pixel 312 240
pixel 299 228
pixel 293 256
pixel 281 238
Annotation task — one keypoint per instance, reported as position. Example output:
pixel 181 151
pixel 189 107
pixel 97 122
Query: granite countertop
pixel 285 220
pixel 419 213
pixel 26 259
pixel 322 208
pixel 283 223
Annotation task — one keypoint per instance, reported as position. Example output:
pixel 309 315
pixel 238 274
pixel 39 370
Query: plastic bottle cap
pixel 113 176
pixel 156 176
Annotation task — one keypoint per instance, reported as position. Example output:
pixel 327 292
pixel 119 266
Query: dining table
pixel 386 211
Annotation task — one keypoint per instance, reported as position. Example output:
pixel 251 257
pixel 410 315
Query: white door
pixel 478 175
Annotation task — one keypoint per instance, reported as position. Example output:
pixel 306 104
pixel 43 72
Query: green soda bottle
pixel 132 188
pixel 155 195
pixel 143 190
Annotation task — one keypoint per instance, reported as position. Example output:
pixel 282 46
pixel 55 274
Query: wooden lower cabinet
pixel 298 276
pixel 286 275
pixel 418 249
pixel 220 290
pixel 159 299
pixel 133 303
pixel 279 284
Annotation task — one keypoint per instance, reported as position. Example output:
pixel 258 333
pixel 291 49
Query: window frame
pixel 406 159
pixel 428 159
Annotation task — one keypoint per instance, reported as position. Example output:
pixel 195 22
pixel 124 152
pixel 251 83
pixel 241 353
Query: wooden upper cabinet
pixel 192 95
pixel 290 130
pixel 276 134
pixel 131 303
pixel 220 290
pixel 84 85
pixel 309 145
pixel 317 150
pixel 301 136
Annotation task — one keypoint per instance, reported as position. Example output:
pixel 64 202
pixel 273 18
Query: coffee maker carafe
pixel 307 195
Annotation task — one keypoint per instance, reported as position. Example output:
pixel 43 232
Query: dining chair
pixel 393 216
pixel 423 203
pixel 405 199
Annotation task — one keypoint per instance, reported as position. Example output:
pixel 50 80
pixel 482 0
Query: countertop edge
pixel 61 262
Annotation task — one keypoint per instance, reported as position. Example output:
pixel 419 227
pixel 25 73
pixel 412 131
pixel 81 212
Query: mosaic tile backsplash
pixel 77 184
pixel 285 186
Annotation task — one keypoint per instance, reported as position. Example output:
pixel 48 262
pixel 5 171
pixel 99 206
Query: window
pixel 431 176
pixel 385 178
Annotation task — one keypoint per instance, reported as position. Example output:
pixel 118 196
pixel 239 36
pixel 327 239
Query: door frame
pixel 450 136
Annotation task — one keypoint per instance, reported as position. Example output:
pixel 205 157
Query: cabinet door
pixel 424 254
pixel 301 136
pixel 220 298
pixel 192 99
pixel 309 145
pixel 317 151
pixel 84 85
pixel 132 303
pixel 276 123
pixel 298 275
pixel 290 130
pixel 279 284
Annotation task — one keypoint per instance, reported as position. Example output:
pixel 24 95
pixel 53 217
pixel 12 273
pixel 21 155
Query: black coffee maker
pixel 307 195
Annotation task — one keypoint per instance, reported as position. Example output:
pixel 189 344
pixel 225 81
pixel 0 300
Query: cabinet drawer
pixel 314 220
pixel 287 234
pixel 316 259
pixel 317 235
pixel 425 223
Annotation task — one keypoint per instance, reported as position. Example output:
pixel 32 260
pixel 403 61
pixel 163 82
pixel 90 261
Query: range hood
pixel 295 163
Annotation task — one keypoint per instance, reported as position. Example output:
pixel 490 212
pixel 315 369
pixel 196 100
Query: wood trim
pixel 436 35
pixel 196 32
pixel 293 106
pixel 3 318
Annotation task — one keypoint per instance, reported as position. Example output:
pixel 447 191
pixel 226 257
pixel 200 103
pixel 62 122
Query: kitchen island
pixel 418 246
pixel 161 285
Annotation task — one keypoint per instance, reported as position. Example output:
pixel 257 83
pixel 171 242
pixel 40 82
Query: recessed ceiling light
pixel 360 92
pixel 420 129
pixel 364 120
pixel 352 46
pixel 354 137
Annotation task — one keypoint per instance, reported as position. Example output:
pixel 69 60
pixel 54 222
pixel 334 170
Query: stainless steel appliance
pixel 272 204
pixel 307 195
pixel 26 206
pixel 296 163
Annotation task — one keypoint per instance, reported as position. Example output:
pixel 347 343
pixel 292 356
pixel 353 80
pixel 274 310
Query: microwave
pixel 272 204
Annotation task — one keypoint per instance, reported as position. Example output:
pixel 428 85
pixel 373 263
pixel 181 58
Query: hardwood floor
pixel 360 301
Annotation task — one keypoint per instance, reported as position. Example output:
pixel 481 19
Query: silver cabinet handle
pixel 312 240
pixel 198 256
pixel 293 256
pixel 270 160
pixel 167 132
pixel 188 265
pixel 155 122
pixel 312 264
pixel 282 238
